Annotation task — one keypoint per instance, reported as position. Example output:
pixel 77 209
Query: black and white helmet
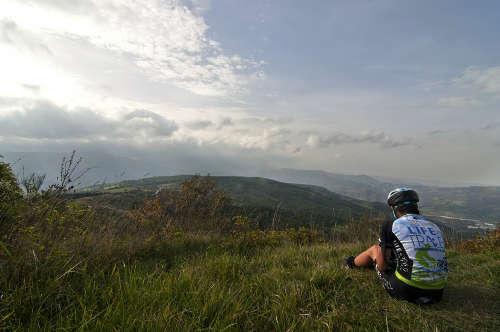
pixel 402 196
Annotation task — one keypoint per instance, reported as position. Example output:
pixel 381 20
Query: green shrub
pixel 10 199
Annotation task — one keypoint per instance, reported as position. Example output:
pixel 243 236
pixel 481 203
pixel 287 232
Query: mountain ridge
pixel 476 202
pixel 255 191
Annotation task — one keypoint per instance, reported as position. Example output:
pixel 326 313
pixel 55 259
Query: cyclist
pixel 410 257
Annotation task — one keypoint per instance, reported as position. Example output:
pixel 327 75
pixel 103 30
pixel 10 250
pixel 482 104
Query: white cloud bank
pixel 81 70
pixel 44 120
pixel 162 37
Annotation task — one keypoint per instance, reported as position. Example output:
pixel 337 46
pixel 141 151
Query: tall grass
pixel 209 286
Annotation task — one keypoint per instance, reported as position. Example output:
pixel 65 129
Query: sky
pixel 405 89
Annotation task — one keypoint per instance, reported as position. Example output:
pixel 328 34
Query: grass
pixel 215 285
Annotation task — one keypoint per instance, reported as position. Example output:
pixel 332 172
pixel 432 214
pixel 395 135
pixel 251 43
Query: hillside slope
pixel 253 192
pixel 478 202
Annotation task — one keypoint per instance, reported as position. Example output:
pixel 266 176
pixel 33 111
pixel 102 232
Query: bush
pixel 488 242
pixel 196 206
pixel 10 199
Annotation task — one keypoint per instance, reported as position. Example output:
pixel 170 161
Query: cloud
pixel 226 122
pixel 31 87
pixel 164 38
pixel 491 126
pixel 30 121
pixel 199 124
pixel 380 138
pixel 438 132
pixel 11 34
pixel 265 121
pixel 74 6
pixel 206 124
pixel 474 88
pixel 484 80
pixel 44 120
pixel 266 139
pixel 200 6
pixel 149 123
pixel 459 102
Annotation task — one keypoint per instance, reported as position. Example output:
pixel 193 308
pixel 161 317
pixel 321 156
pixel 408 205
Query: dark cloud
pixel 491 126
pixel 150 123
pixel 438 132
pixel 204 124
pixel 199 125
pixel 226 122
pixel 45 120
pixel 380 138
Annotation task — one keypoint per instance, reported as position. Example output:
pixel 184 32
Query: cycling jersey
pixel 418 249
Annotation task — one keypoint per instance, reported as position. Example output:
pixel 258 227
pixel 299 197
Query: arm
pixel 383 255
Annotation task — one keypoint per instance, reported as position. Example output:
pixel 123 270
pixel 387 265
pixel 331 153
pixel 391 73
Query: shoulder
pixel 404 222
pixel 417 219
pixel 410 219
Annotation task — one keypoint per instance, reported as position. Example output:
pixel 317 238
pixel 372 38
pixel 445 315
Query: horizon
pixel 386 89
pixel 97 173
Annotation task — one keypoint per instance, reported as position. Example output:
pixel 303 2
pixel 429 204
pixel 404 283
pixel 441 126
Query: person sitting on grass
pixel 410 257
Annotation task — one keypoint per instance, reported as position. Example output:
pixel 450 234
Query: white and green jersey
pixel 418 248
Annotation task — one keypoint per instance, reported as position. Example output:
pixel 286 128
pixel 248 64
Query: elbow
pixel 381 265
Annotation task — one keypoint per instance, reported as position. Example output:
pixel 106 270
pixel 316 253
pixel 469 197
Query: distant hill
pixel 264 192
pixel 357 186
pixel 476 202
pixel 297 202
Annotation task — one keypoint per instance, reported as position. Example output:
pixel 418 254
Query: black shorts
pixel 399 290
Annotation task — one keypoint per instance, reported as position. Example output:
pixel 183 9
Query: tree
pixel 10 196
pixel 197 205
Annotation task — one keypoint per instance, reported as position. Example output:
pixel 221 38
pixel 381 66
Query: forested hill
pixel 476 202
pixel 301 204
pixel 260 195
